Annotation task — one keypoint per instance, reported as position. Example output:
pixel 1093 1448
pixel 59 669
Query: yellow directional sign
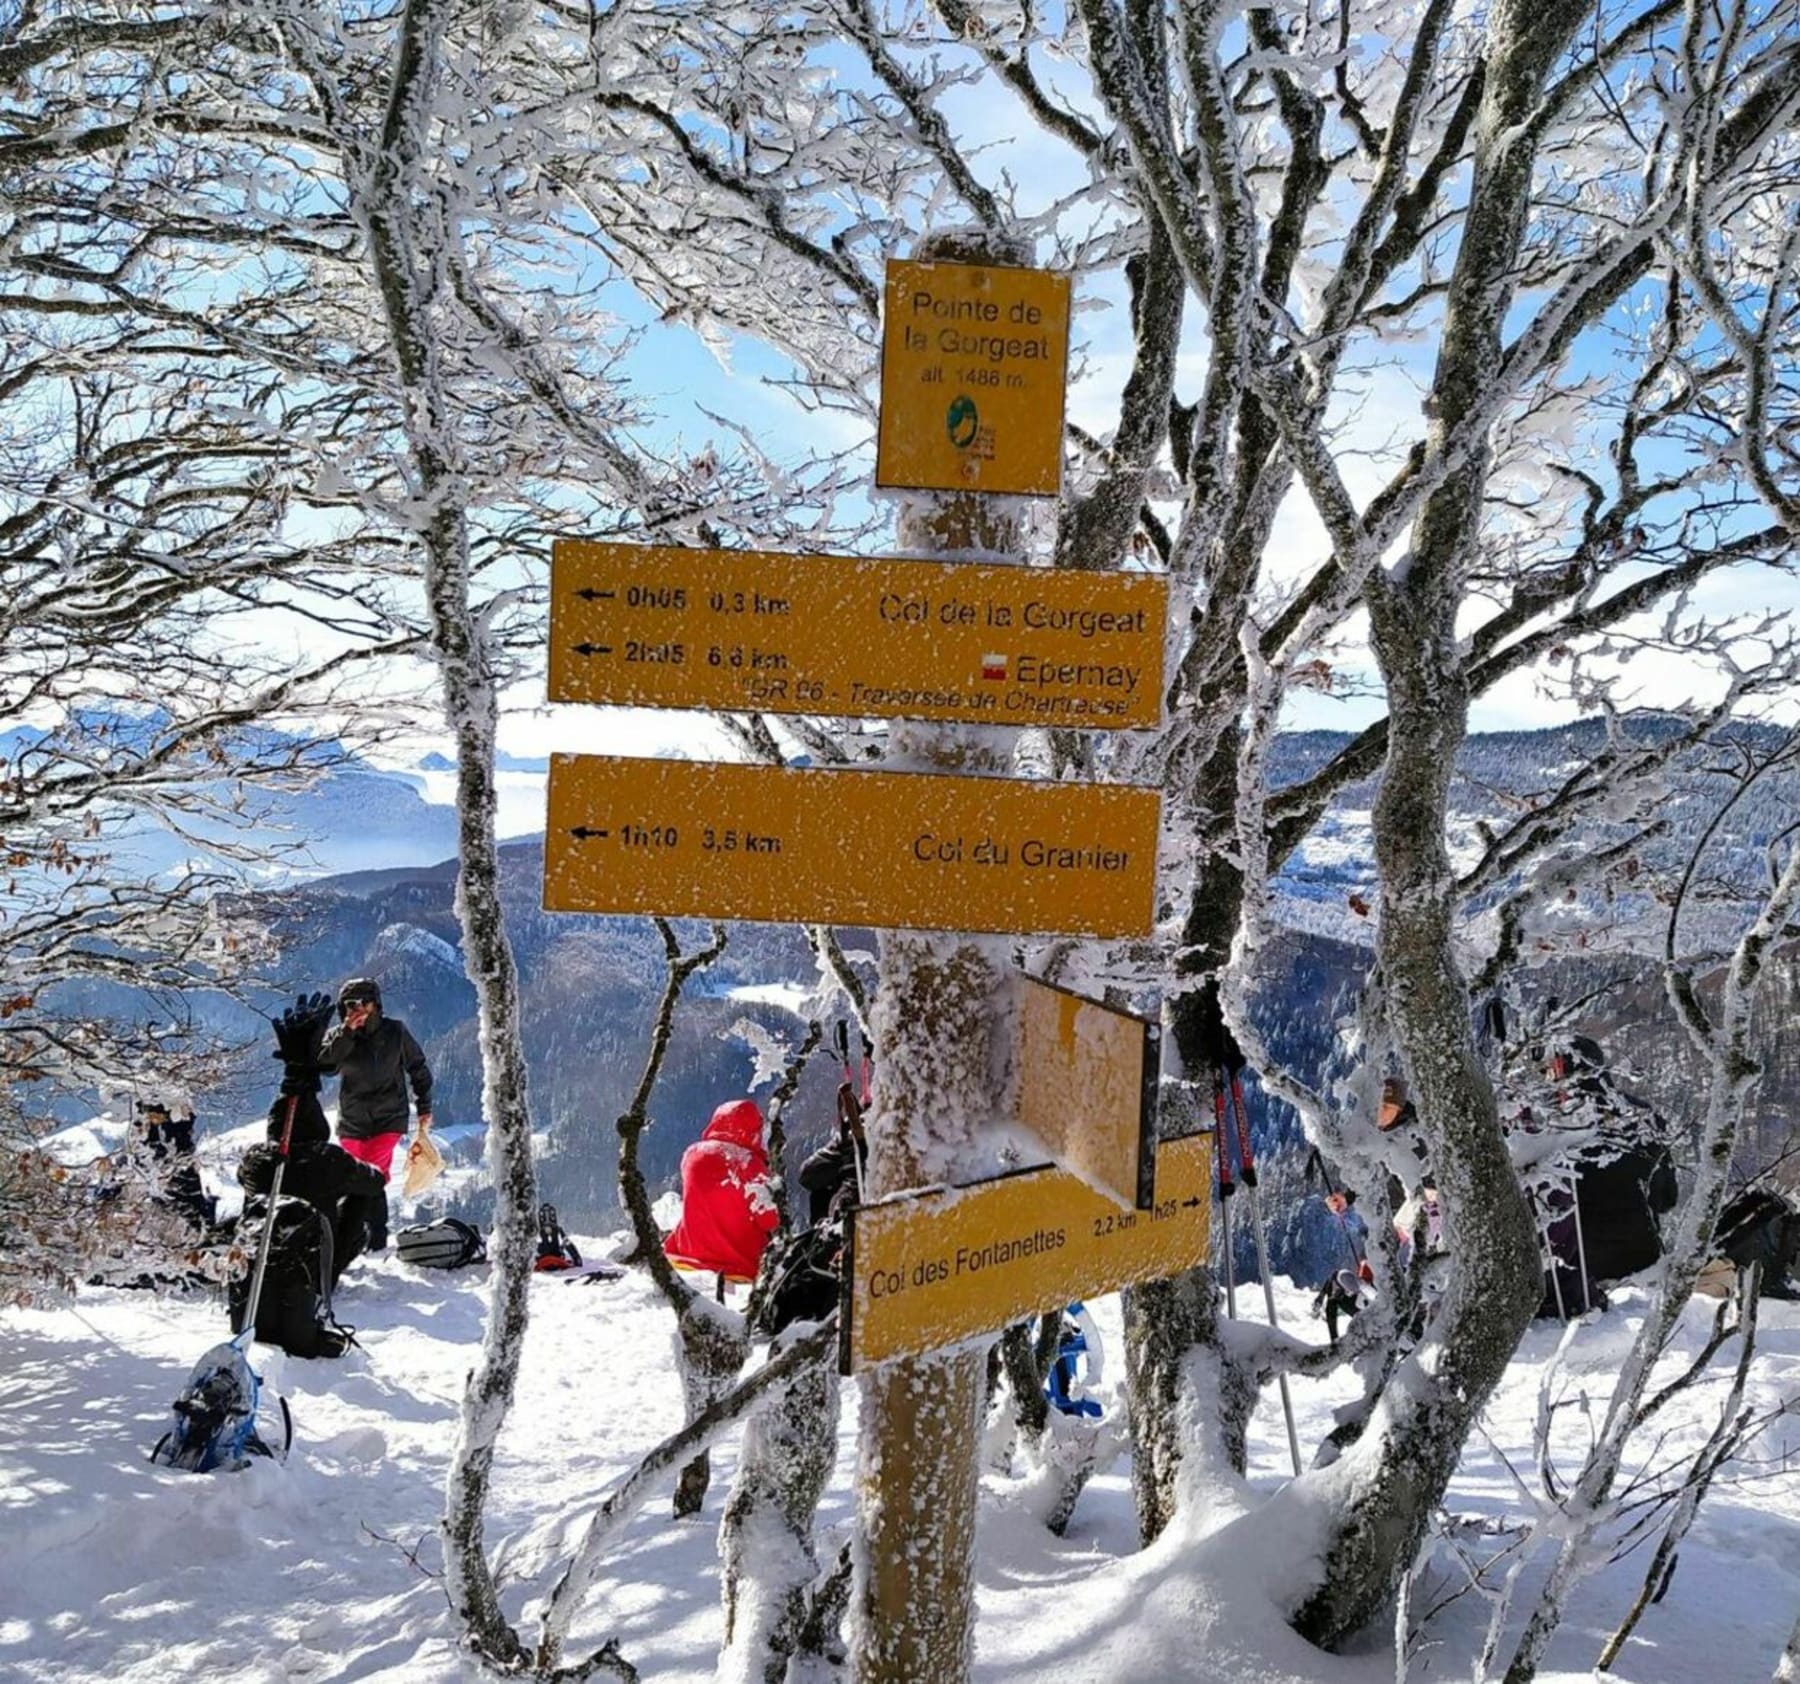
pixel 898 850
pixel 925 1270
pixel 1086 1079
pixel 973 364
pixel 651 626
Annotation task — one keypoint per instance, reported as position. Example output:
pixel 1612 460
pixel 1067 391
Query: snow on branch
pixel 631 1493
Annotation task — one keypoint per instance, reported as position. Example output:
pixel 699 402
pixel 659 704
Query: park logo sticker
pixel 962 421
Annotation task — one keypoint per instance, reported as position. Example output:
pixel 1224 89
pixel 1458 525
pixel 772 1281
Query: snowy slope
pixel 325 1569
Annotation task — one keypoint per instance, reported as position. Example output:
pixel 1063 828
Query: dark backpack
pixel 1760 1226
pixel 804 1281
pixel 444 1244
pixel 294 1311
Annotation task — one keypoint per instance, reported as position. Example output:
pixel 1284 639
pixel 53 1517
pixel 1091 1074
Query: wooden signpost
pixel 974 360
pixel 929 1269
pixel 1086 1079
pixel 648 625
pixel 898 850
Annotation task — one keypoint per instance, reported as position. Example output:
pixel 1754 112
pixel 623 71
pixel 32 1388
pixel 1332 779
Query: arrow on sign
pixel 587 593
pixel 1189 1204
pixel 593 649
pixel 582 833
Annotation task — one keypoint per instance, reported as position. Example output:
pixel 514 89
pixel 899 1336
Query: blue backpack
pixel 1077 1366
pixel 215 1424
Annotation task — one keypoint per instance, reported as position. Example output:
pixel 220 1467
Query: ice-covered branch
pixel 635 1118
pixel 636 1489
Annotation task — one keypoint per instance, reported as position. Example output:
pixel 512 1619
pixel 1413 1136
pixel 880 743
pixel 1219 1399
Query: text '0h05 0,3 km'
pixel 645 625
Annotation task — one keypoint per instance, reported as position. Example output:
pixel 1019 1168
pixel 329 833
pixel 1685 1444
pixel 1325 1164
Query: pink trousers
pixel 378 1150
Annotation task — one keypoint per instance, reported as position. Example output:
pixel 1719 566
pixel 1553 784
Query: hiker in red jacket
pixel 726 1211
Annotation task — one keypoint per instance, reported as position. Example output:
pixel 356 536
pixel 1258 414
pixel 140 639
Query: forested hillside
pixel 590 984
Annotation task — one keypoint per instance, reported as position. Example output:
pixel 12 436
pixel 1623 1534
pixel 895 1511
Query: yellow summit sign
pixel 973 364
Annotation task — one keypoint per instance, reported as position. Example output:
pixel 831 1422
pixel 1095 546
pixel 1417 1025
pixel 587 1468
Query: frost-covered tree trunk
pixel 1383 1490
pixel 406 227
pixel 711 1341
pixel 713 1346
pixel 1022 1357
pixel 921 1416
pixel 767 1559
pixel 1166 1322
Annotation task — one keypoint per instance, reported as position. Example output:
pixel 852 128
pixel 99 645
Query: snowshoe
pixel 215 1425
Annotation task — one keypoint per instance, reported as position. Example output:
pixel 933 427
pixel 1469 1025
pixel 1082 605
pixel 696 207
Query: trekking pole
pixel 1226 1188
pixel 268 1233
pixel 1547 1251
pixel 1337 1204
pixel 1247 1168
pixel 1580 1238
pixel 849 1127
pixel 848 1111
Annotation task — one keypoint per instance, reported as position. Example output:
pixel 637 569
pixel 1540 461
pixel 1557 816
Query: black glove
pixel 300 1030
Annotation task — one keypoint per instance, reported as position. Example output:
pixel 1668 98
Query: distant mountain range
pixel 375 899
pixel 503 762
pixel 351 815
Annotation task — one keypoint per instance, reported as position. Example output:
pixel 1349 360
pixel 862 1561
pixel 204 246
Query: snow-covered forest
pixel 1442 357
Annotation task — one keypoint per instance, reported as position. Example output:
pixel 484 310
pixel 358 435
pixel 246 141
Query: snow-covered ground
pixel 326 1568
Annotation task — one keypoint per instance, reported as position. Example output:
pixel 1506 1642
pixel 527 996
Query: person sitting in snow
pixel 339 1187
pixel 163 1147
pixel 727 1213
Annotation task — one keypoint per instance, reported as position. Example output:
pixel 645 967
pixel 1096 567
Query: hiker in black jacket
pixel 376 1058
pixel 832 1176
pixel 340 1188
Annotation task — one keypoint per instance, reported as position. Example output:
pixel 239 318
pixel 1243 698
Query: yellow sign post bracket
pixel 1085 1080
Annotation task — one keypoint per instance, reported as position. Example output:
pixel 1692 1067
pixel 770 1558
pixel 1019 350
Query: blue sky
pixel 675 374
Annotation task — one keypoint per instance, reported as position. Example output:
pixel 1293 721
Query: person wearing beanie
pixel 376 1060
